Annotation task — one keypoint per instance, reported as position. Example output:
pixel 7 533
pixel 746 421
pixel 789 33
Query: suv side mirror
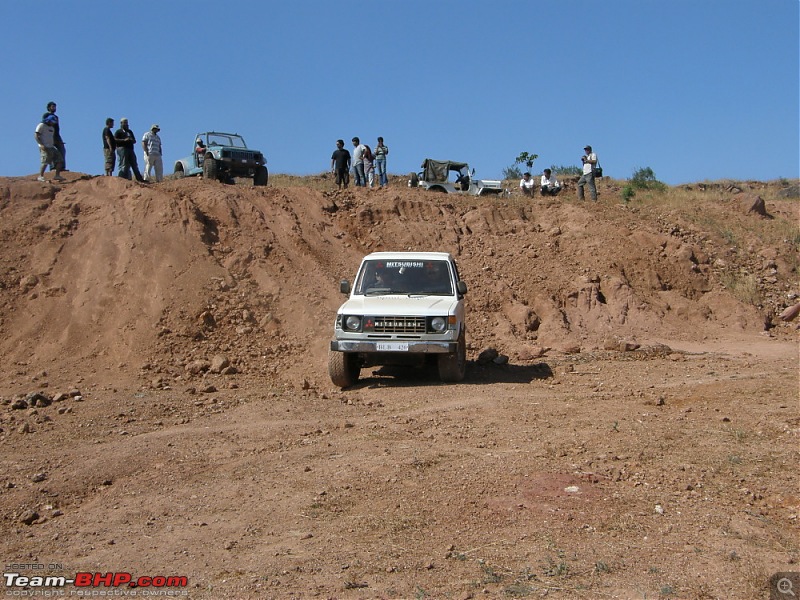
pixel 344 286
pixel 461 288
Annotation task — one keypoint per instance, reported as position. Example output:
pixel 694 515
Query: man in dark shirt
pixel 126 144
pixel 58 142
pixel 340 164
pixel 109 147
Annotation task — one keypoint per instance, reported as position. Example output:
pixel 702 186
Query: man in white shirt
pixel 358 163
pixel 589 160
pixel 151 144
pixel 550 185
pixel 526 184
pixel 45 137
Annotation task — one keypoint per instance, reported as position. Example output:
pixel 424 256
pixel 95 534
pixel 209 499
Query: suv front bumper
pixel 394 346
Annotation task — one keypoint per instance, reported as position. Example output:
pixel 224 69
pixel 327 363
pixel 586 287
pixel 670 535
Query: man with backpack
pixel 589 160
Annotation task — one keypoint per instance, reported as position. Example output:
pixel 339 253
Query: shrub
pixel 566 170
pixel 628 193
pixel 645 179
pixel 512 172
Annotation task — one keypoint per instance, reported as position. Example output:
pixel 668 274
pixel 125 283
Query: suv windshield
pixel 224 139
pixel 412 277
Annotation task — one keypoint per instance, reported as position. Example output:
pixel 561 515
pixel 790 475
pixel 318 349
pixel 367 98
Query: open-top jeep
pixel 452 178
pixel 405 308
pixel 223 156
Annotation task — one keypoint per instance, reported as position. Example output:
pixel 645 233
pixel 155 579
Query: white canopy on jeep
pixel 437 170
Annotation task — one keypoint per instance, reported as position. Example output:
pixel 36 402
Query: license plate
pixel 392 347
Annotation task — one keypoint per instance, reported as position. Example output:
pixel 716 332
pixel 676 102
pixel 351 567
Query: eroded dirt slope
pixel 128 274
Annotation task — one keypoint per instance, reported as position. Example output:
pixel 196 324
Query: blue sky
pixel 694 89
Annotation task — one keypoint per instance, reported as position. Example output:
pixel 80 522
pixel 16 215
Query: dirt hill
pixel 171 308
pixel 124 274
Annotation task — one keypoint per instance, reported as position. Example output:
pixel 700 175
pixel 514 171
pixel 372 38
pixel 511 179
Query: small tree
pixel 527 158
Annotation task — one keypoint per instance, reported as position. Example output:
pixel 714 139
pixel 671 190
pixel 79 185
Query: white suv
pixel 404 308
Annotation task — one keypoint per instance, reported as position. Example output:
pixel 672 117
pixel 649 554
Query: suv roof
pixel 409 255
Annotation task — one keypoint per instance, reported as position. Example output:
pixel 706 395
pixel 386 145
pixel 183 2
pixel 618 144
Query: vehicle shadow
pixel 477 374
pixel 508 373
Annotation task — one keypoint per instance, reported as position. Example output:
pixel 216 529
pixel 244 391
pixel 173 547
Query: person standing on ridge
pixel 151 144
pixel 57 141
pixel 589 160
pixel 358 163
pixel 126 144
pixel 49 154
pixel 340 165
pixel 381 152
pixel 369 166
pixel 109 147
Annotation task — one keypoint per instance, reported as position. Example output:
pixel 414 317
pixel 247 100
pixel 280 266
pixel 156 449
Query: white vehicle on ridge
pixel 453 178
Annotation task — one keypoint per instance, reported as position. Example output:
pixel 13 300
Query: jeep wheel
pixel 210 168
pixel 179 174
pixel 413 180
pixel 343 368
pixel 453 367
pixel 261 176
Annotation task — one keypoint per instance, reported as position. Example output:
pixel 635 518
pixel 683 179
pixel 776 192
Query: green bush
pixel 512 172
pixel 645 179
pixel 628 193
pixel 566 170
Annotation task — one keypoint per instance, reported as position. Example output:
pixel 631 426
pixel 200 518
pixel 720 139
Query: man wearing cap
pixel 126 142
pixel 45 137
pixel 151 144
pixel 589 160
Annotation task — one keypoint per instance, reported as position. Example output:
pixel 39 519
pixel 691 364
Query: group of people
pixel 121 145
pixel 550 186
pixel 368 166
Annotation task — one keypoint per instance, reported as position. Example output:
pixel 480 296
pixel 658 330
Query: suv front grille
pixel 399 324
pixel 239 155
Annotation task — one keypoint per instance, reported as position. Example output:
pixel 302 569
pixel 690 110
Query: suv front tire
pixel 210 168
pixel 343 368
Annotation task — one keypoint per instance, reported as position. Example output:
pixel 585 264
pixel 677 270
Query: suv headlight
pixel 438 324
pixel 352 323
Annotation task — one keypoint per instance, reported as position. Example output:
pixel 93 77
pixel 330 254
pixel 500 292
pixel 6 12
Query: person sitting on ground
pixel 550 185
pixel 526 184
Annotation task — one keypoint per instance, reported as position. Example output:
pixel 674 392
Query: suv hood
pixel 400 305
